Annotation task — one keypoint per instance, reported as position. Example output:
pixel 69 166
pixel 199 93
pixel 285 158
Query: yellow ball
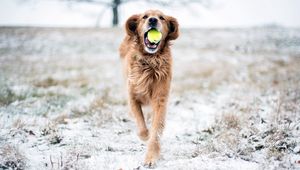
pixel 154 36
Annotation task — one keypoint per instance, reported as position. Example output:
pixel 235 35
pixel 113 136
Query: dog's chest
pixel 147 72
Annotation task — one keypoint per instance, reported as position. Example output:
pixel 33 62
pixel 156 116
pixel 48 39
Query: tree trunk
pixel 115 10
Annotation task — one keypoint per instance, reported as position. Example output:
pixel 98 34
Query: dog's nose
pixel 152 22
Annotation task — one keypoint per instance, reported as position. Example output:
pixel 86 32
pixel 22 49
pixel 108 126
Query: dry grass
pixel 18 123
pixel 249 134
pixel 249 130
pixel 231 121
pixel 52 134
pixel 252 88
pixel 61 119
pixel 79 81
pixel 7 94
pixel 11 158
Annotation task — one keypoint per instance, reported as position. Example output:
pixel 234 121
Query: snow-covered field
pixel 234 104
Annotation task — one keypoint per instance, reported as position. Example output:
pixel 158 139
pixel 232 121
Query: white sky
pixel 225 13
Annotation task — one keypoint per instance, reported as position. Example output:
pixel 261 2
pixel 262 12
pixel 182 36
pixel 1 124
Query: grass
pixel 8 96
pixel 11 158
pixel 76 89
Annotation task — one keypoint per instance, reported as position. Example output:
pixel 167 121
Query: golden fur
pixel 148 75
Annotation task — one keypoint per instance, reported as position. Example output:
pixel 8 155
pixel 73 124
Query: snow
pixel 234 102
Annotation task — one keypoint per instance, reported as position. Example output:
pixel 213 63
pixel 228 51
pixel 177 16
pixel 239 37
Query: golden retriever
pixel 148 72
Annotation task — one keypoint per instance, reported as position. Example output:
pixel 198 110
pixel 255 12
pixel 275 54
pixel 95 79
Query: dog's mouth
pixel 151 47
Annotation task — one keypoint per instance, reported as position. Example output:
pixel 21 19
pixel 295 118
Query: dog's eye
pixel 161 18
pixel 145 16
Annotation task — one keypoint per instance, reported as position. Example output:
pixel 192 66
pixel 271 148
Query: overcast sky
pixel 224 13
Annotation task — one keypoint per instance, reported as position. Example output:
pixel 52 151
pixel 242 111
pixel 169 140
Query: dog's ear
pixel 173 28
pixel 131 24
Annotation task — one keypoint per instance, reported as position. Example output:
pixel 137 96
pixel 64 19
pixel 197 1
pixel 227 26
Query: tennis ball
pixel 154 36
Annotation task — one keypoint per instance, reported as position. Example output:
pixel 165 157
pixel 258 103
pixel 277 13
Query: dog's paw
pixel 144 135
pixel 149 164
pixel 151 156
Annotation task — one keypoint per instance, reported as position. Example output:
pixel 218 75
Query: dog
pixel 148 72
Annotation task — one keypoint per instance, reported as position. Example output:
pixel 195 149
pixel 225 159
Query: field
pixel 234 103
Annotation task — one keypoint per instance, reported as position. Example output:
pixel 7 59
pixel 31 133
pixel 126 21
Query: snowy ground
pixel 235 101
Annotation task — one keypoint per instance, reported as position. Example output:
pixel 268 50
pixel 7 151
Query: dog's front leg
pixel 137 112
pixel 159 103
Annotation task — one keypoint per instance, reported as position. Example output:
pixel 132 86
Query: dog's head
pixel 137 26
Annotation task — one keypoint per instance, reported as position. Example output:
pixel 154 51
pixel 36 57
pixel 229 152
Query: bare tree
pixel 114 5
